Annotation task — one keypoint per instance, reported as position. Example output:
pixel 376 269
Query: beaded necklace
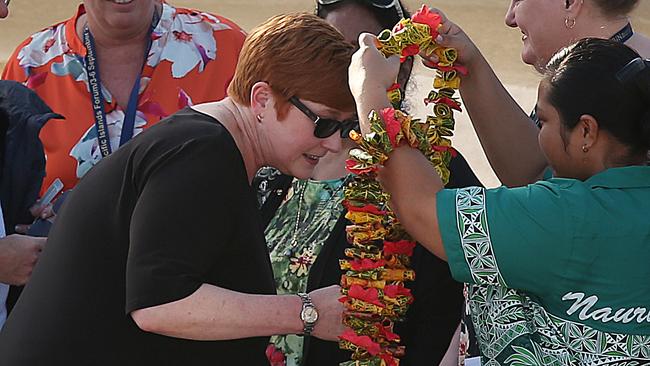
pixel 328 205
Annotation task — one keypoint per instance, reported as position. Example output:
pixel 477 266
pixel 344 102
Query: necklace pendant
pixel 288 252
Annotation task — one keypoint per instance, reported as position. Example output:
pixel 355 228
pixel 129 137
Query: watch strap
pixel 308 327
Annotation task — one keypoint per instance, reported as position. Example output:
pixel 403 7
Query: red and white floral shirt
pixel 192 60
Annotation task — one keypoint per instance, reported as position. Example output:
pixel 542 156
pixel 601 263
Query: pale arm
pixel 214 313
pixel 370 74
pixel 175 244
pixel 507 134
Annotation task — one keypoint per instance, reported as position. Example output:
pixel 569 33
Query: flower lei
pixel 373 288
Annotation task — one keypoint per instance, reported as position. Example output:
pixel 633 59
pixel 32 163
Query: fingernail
pixel 438 38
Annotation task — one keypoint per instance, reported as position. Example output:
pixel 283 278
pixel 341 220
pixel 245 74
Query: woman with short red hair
pixel 158 256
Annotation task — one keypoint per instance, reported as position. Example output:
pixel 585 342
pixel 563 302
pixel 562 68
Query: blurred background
pixel 481 19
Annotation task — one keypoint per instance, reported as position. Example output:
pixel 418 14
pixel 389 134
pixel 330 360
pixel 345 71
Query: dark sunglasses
pixel 384 4
pixel 326 127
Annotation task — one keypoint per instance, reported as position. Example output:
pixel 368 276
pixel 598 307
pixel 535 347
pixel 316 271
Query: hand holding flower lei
pixel 373 288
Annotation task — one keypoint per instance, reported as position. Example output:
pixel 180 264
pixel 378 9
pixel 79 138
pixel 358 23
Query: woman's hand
pixel 370 70
pixel 18 256
pixel 330 313
pixel 370 74
pixel 39 212
pixel 451 35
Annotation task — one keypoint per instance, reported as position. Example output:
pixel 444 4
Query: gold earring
pixel 585 149
pixel 569 22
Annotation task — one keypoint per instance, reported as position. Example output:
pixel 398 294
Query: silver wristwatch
pixel 308 314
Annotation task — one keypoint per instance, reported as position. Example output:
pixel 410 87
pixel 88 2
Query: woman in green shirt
pixel 559 269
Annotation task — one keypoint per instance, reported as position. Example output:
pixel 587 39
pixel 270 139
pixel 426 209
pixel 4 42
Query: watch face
pixel 309 314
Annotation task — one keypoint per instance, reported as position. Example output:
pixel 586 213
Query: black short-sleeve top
pixel 167 212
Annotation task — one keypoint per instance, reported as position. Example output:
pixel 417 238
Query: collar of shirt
pixel 77 46
pixel 624 177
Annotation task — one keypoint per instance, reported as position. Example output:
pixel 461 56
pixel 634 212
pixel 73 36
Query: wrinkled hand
pixel 330 313
pixel 451 35
pixel 369 70
pixel 18 256
pixel 38 211
pixel 3 9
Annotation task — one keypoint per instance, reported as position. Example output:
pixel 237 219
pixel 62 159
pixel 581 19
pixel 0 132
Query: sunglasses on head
pixel 326 127
pixel 384 4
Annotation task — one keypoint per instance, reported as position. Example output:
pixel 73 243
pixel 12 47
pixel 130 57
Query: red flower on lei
pixel 394 291
pixel 369 208
pixel 401 247
pixel 410 50
pixel 393 126
pixel 425 16
pixel 370 295
pixel 448 149
pixel 355 168
pixel 395 86
pixel 365 264
pixel 361 341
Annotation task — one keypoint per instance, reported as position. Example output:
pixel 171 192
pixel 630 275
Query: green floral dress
pixel 295 237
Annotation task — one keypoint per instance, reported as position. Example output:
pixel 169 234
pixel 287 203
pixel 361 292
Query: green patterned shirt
pixel 295 237
pixel 560 269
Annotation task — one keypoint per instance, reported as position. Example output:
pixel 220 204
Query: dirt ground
pixel 481 19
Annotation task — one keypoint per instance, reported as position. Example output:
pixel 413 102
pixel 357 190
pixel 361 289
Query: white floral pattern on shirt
pixel 183 38
pixel 43 48
pixel 87 151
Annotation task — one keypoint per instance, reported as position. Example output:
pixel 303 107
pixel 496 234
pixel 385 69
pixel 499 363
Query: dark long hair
pixel 387 18
pixel 592 77
pixel 616 7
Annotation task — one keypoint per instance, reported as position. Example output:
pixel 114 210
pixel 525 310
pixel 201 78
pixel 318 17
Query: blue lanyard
pixel 98 102
pixel 624 34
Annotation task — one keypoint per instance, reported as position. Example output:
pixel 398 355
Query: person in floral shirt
pixel 191 58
